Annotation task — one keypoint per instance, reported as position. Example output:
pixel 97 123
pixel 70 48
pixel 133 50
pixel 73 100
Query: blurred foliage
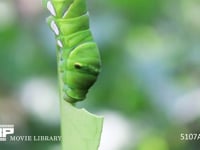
pixel 150 56
pixel 23 55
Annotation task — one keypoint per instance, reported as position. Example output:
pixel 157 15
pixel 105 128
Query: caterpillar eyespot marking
pixel 77 66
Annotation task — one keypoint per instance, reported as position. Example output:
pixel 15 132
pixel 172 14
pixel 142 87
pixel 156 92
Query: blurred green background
pixel 149 87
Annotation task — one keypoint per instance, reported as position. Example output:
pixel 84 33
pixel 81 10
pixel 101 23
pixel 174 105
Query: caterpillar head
pixel 83 67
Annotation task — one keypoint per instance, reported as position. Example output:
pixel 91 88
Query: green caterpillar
pixel 80 60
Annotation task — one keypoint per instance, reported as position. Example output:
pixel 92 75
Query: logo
pixel 6 130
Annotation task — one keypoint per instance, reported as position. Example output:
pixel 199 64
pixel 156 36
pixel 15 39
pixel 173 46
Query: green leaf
pixel 80 129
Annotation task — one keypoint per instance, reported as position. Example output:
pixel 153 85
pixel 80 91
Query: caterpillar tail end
pixel 73 96
pixel 69 99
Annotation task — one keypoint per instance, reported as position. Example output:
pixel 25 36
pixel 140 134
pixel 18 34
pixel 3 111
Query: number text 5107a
pixel 189 136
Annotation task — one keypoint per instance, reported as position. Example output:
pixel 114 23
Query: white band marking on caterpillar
pixel 66 12
pixel 54 27
pixel 59 43
pixel 51 8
